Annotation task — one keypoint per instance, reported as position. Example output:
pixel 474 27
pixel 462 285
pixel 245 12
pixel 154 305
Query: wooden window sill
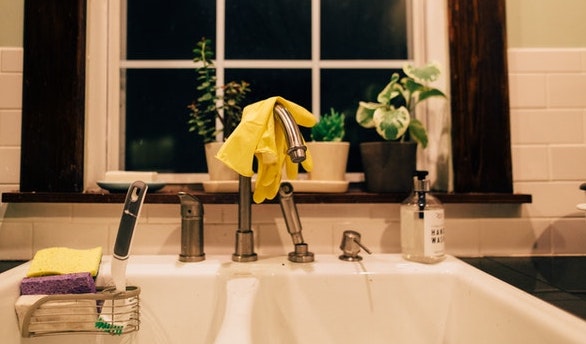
pixel 168 194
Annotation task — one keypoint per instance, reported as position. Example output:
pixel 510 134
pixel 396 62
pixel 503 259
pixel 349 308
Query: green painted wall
pixel 530 23
pixel 11 16
pixel 546 23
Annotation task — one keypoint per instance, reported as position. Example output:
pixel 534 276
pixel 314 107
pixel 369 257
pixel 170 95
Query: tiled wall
pixel 548 110
pixel 10 115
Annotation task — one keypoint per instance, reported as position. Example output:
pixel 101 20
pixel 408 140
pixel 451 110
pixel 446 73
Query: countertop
pixel 560 281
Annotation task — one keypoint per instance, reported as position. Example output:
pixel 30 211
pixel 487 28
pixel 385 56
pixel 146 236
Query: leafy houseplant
pixel 214 102
pixel 391 115
pixel 389 165
pixel 329 153
pixel 329 128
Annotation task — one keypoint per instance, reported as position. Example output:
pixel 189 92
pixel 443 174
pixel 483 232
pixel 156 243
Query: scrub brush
pixel 115 312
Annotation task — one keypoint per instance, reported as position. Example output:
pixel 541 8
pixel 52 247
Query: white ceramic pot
pixel 329 160
pixel 216 169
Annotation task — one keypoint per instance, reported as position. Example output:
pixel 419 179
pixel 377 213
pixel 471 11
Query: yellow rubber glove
pixel 258 136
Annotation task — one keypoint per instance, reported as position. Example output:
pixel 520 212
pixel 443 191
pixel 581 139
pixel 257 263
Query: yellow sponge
pixel 63 260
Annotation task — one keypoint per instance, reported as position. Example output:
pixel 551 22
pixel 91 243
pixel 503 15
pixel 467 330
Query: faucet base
pixel 350 258
pixel 244 248
pixel 244 258
pixel 301 254
pixel 191 259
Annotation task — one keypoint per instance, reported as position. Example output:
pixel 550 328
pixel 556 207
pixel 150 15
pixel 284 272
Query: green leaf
pixel 411 85
pixel 329 128
pixel 205 97
pixel 365 113
pixel 427 73
pixel 417 132
pixel 391 123
pixel 390 91
pixel 430 92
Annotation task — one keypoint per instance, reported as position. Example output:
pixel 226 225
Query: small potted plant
pixel 392 118
pixel 329 153
pixel 215 103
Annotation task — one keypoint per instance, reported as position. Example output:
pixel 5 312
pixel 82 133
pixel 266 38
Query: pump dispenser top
pixel 421 186
pixel 422 223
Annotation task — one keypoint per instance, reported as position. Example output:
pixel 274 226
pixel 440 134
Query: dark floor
pixel 560 281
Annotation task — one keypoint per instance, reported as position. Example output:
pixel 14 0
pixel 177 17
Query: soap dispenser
pixel 422 223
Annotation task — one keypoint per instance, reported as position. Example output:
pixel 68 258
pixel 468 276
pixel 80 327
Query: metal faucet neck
pixel 295 147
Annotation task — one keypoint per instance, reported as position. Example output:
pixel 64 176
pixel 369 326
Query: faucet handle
pixel 351 246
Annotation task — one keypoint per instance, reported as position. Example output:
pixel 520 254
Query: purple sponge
pixel 75 283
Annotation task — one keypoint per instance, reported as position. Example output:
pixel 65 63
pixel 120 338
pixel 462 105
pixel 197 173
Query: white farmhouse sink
pixel 382 299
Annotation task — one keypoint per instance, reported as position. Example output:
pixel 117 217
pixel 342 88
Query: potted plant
pixel 329 153
pixel 389 165
pixel 214 103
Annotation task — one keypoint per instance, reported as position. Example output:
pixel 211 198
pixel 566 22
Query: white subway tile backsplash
pixel 527 91
pixel 152 239
pixel 162 213
pixel 566 90
pixel 56 213
pixel 515 237
pixel 569 235
pixel 11 60
pixel 11 91
pixel 564 126
pixel 336 211
pixel 544 60
pixel 550 199
pixel 74 235
pixel 16 240
pixel 530 163
pixel 462 237
pixel 96 213
pixel 568 162
pixel 10 126
pixel 10 167
pixel 219 239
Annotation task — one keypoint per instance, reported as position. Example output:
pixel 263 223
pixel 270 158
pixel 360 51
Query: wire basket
pixel 106 312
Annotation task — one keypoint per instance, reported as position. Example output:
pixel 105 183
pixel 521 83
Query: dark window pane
pixel 342 89
pixel 363 29
pixel 162 30
pixel 291 84
pixel 157 137
pixel 278 29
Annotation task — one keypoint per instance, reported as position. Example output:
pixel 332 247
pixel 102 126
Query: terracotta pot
pixel 329 160
pixel 388 166
pixel 216 169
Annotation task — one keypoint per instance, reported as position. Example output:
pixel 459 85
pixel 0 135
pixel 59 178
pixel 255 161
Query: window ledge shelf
pixel 168 195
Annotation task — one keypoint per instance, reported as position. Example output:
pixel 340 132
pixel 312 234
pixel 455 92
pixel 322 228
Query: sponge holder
pixel 78 313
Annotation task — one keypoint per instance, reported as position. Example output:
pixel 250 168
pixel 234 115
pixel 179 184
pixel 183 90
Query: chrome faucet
pixel 351 246
pixel 300 253
pixel 191 229
pixel 244 244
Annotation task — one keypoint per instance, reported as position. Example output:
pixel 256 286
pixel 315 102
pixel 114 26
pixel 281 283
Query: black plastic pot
pixel 388 166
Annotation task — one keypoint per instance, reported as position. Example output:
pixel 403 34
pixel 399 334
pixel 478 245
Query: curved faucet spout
pixel 295 147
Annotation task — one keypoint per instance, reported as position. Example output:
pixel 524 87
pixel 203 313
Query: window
pixel 67 149
pixel 320 54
